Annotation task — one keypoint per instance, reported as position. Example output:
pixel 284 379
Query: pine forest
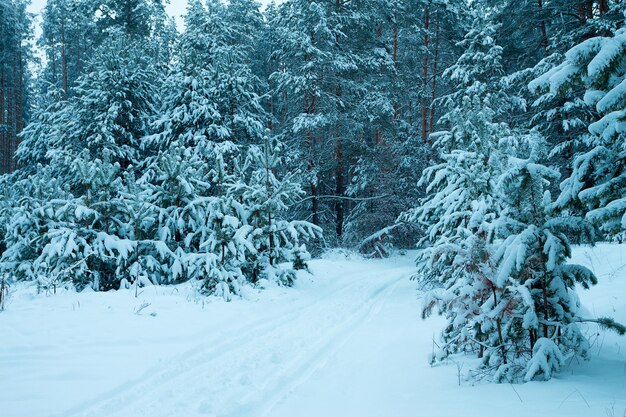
pixel 239 148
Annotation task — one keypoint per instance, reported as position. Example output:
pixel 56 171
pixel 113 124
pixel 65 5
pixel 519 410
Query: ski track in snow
pixel 346 343
pixel 254 369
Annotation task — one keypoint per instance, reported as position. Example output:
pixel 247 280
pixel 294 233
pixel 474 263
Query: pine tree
pixel 68 39
pixel 537 303
pixel 48 120
pixel 135 19
pixel 595 184
pixel 78 231
pixel 462 185
pixel 201 232
pixel 562 117
pixel 15 59
pixel 461 203
pixel 213 91
pixel 111 110
pixel 266 198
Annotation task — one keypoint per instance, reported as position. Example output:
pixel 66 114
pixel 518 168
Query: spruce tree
pixel 90 140
pixel 461 204
pixel 537 304
pixel 267 195
pixel 596 184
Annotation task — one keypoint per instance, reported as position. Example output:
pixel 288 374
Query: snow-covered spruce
pixel 129 201
pixel 267 197
pixel 496 249
pixel 535 304
pixel 461 204
pixel 596 185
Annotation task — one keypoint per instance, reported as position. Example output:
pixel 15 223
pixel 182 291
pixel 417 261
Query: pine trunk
pixel 310 137
pixel 3 122
pixel 542 28
pixel 339 182
pixel 425 64
pixel 499 327
pixel 64 61
pixel 581 13
pixel 19 121
pixel 53 55
pixel 434 83
pixel 10 121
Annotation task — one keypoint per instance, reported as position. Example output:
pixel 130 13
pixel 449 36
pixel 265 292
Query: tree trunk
pixel 315 204
pixel 590 9
pixel 3 122
pixel 19 121
pixel 544 288
pixel 310 109
pixel 425 73
pixel 582 18
pixel 53 54
pixel 339 178
pixel 434 84
pixel 270 122
pixel 542 28
pixel 268 191
pixel 395 44
pixel 499 326
pixel 271 240
pixel 78 57
pixel 10 121
pixel 339 190
pixel 64 61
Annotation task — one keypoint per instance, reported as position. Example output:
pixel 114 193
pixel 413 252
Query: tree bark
pixel 339 190
pixel 434 83
pixel 395 44
pixel 64 61
pixel 499 326
pixel 425 73
pixel 310 137
pixel 582 18
pixel 3 122
pixel 19 121
pixel 53 54
pixel 10 121
pixel 78 57
pixel 542 28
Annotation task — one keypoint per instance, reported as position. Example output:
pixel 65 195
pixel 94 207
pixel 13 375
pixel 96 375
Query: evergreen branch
pixel 606 323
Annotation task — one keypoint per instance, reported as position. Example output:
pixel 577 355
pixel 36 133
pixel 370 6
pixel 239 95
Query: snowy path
pixel 235 375
pixel 347 343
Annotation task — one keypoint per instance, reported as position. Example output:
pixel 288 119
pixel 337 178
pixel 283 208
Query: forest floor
pixel 347 341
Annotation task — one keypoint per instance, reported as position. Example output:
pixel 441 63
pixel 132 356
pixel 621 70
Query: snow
pixel 612 49
pixel 612 99
pixel 347 341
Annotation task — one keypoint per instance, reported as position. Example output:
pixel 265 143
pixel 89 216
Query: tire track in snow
pixel 209 368
pixel 304 354
pixel 302 374
pixel 180 364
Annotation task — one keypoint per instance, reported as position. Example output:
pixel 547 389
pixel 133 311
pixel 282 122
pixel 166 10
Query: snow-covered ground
pixel 346 342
